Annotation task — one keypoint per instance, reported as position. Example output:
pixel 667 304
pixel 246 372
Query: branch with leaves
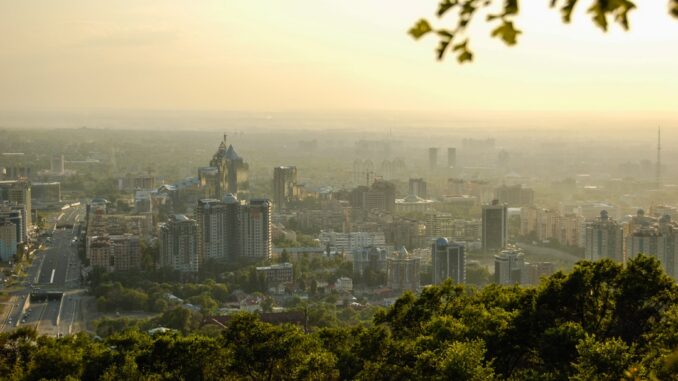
pixel 455 40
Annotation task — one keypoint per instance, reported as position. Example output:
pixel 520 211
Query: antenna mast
pixel 659 149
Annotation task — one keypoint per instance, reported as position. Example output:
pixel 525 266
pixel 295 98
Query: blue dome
pixel 442 242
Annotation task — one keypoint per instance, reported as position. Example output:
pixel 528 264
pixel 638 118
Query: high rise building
pixel 15 214
pixel 218 229
pixel 380 196
pixel 369 258
pixel 18 192
pixel 451 157
pixel 255 222
pixel 406 232
pixel 494 230
pixel 284 186
pixel 211 218
pixel 514 195
pixel 433 158
pixel 604 239
pixel 230 230
pixel 659 240
pixel 116 252
pixel 227 173
pixel 8 242
pixel 403 271
pixel 448 260
pixel 418 188
pixel 57 165
pixel 509 267
pixel 178 239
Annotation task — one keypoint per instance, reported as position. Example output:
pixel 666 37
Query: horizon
pixel 338 58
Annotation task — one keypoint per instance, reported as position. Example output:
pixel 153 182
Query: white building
pixel 344 284
pixel 349 242
pixel 509 267
pixel 278 273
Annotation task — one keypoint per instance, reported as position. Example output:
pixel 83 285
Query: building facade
pixel 403 271
pixel 276 274
pixel 349 242
pixel 369 258
pixel 231 230
pixel 8 242
pixel 18 192
pixel 509 267
pixel 255 232
pixel 178 240
pixel 659 240
pixel 417 187
pixel 494 226
pixel 284 186
pixel 604 239
pixel 227 173
pixel 448 260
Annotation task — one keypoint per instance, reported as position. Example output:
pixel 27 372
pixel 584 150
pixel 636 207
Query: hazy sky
pixel 324 55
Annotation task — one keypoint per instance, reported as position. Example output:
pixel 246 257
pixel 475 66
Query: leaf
pixel 567 10
pixel 599 17
pixel 421 28
pixel 507 32
pixel 465 56
pixel 442 47
pixel 461 46
pixel 446 5
pixel 510 7
pixel 674 8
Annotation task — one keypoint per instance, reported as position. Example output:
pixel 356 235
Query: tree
pixel 602 360
pixel 264 352
pixel 455 40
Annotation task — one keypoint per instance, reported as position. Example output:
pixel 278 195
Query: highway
pixel 55 268
pixel 59 260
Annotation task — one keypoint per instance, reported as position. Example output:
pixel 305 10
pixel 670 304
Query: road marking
pixel 42 314
pixel 51 279
pixel 37 275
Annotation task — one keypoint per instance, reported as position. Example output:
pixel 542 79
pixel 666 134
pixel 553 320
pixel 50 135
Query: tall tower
pixel 659 158
pixel 494 226
pixel 433 158
pixel 451 157
pixel 448 260
pixel 284 183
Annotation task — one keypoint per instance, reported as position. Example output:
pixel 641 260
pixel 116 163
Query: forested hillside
pixel 602 321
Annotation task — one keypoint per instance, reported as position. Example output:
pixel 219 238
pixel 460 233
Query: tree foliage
pixel 502 15
pixel 602 321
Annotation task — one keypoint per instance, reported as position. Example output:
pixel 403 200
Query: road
pixel 59 260
pixel 55 268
